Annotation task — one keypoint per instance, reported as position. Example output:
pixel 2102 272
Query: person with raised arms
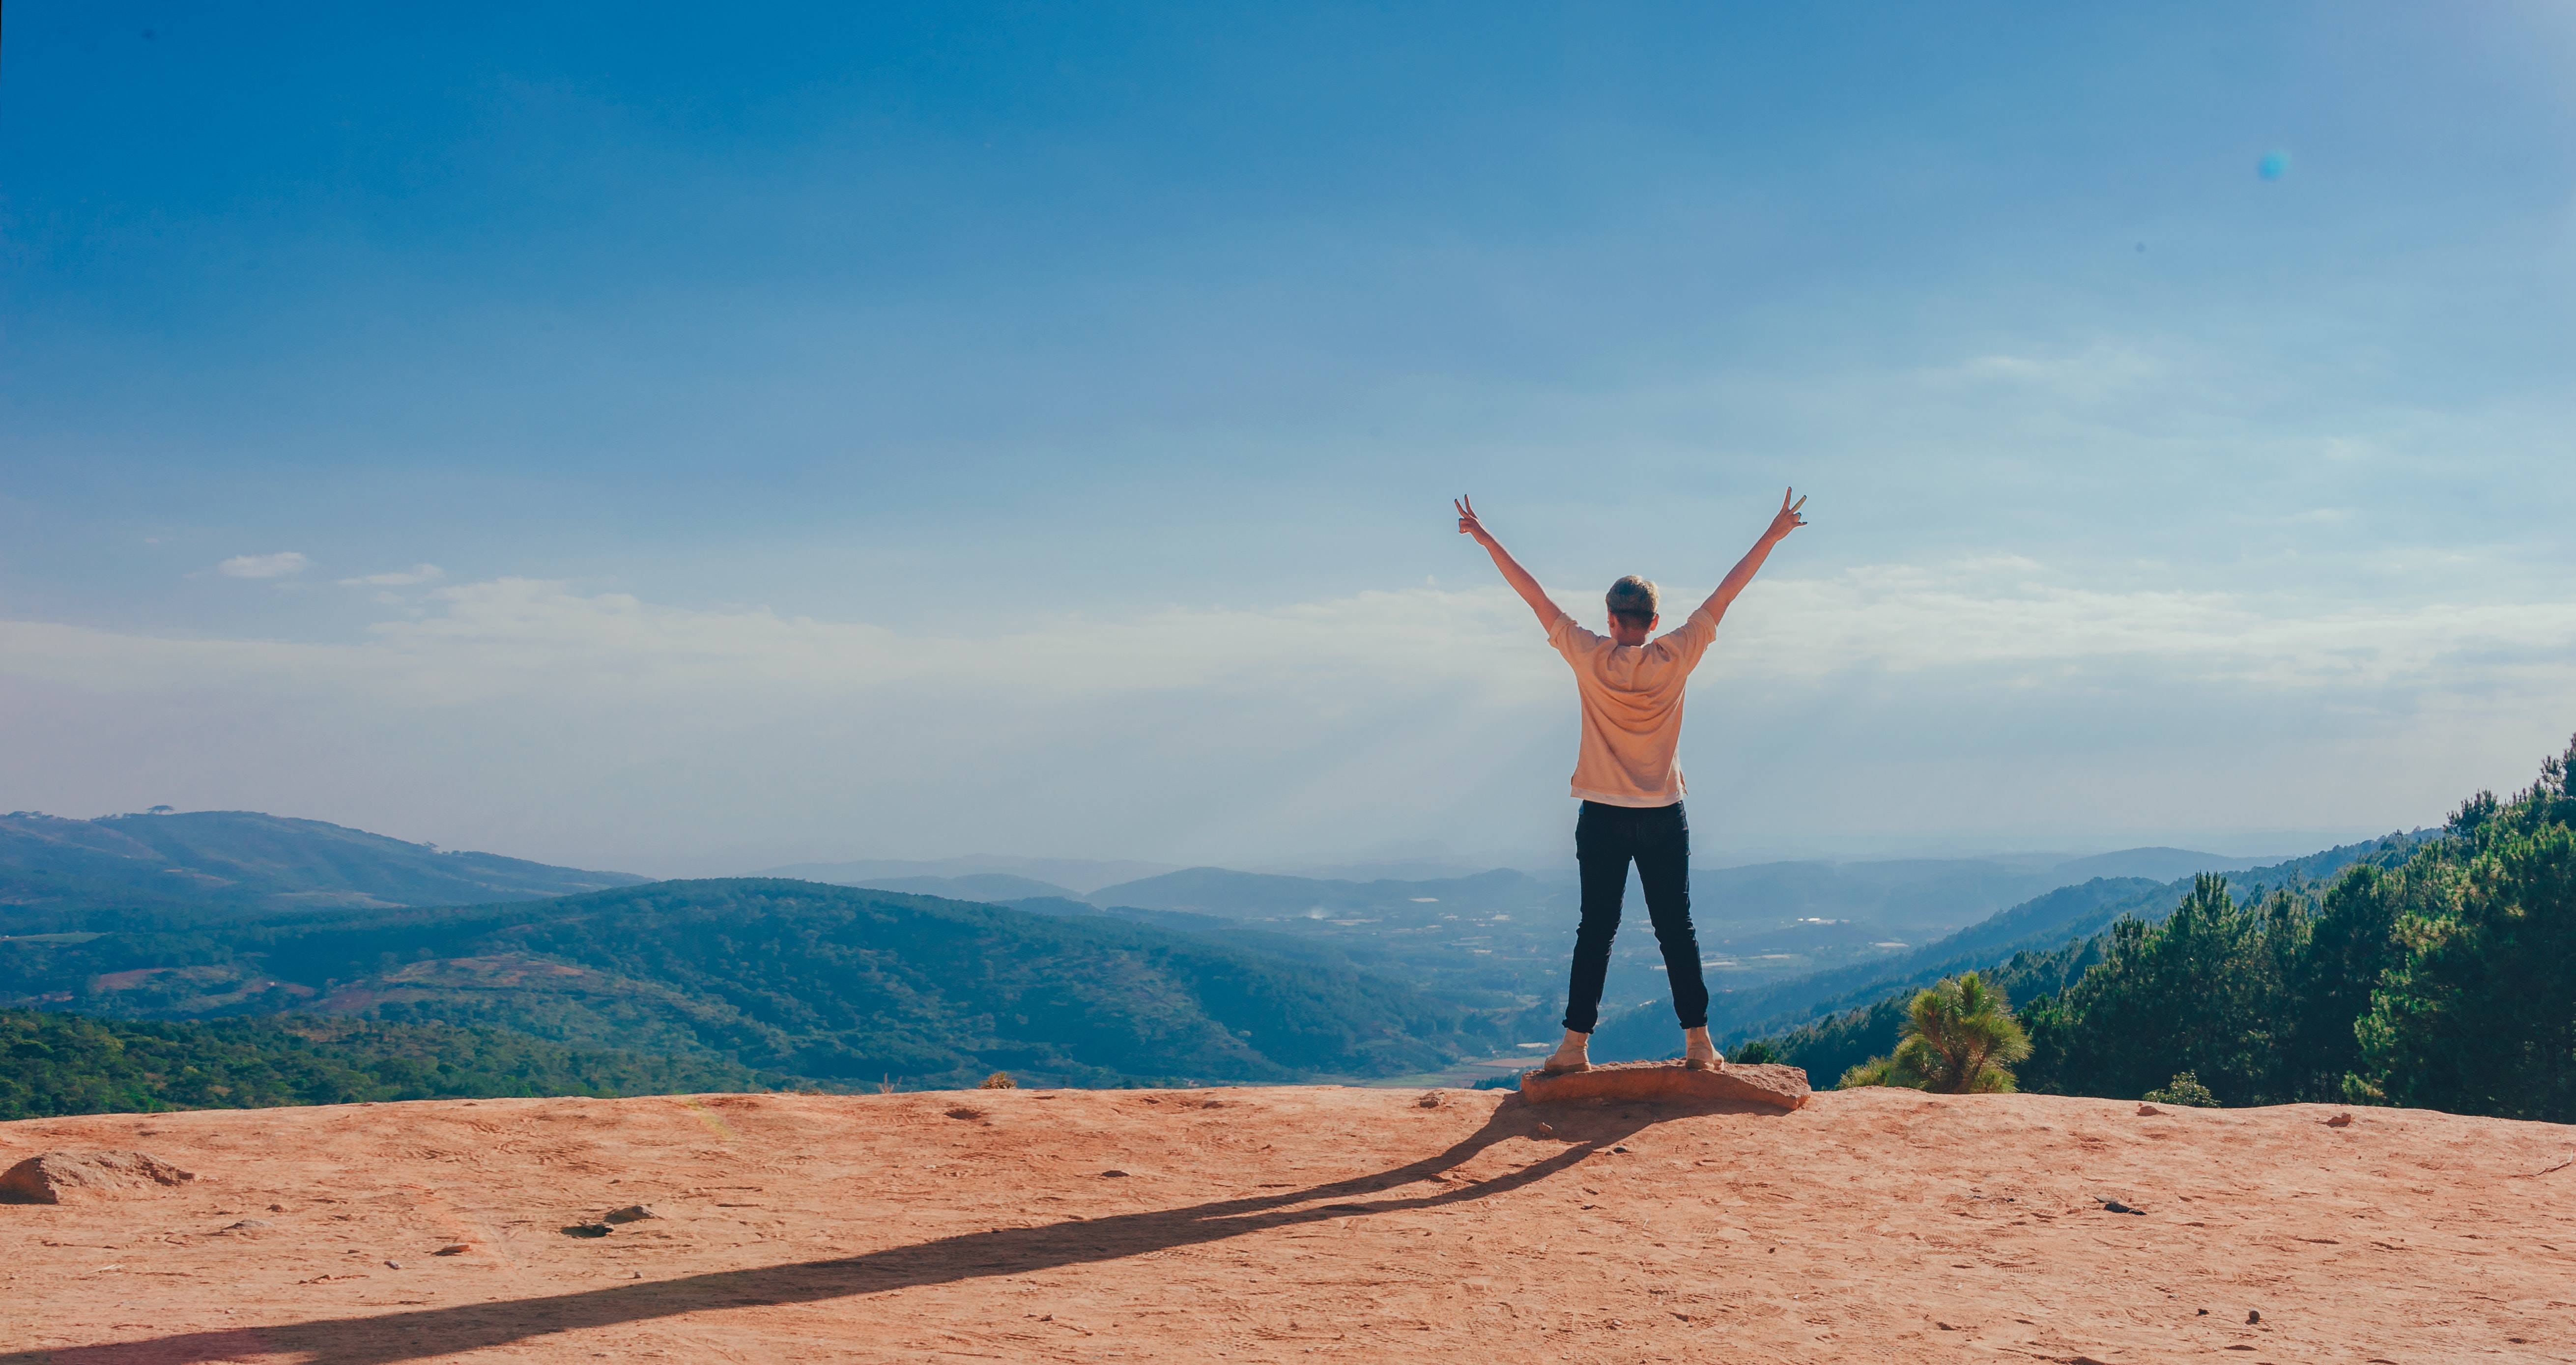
pixel 1629 685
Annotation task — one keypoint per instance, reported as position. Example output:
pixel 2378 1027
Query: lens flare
pixel 2273 166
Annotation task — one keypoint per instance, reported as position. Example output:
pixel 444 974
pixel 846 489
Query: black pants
pixel 1658 838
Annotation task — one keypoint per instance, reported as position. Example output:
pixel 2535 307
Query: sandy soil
pixel 1295 1223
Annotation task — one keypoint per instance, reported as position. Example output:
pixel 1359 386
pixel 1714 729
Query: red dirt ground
pixel 1301 1223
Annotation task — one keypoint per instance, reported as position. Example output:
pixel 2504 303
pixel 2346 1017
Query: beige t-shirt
pixel 1632 709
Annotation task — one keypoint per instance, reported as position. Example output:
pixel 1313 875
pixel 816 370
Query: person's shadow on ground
pixel 390 1337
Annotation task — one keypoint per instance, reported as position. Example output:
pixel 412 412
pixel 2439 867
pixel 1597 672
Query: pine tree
pixel 1961 1039
pixel 2477 1014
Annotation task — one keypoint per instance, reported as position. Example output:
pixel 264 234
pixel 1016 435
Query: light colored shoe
pixel 1698 1053
pixel 1571 1055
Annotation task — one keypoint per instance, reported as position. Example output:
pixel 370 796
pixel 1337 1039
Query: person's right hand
pixel 1788 519
pixel 1468 525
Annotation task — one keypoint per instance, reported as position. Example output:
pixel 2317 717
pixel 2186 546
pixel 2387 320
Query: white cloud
pixel 1990 693
pixel 2003 614
pixel 414 576
pixel 283 564
pixel 1993 617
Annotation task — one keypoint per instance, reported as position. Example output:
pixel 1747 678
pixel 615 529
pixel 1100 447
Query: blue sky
pixel 908 431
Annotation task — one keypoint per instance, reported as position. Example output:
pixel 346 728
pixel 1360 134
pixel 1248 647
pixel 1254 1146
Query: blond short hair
pixel 1633 600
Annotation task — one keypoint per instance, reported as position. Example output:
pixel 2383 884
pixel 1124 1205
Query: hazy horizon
pixel 1413 861
pixel 903 432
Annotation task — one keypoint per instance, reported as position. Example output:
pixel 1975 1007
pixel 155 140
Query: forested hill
pixel 59 874
pixel 823 983
pixel 2436 971
pixel 69 1064
pixel 2039 926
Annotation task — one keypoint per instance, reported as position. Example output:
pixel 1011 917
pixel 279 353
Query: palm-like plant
pixel 1875 1071
pixel 1960 1038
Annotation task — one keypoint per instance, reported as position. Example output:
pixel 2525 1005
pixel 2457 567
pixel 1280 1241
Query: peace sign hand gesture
pixel 1788 519
pixel 1468 525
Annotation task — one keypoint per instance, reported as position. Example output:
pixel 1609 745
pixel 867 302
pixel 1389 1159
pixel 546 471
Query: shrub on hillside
pixel 2184 1089
pixel 1875 1071
pixel 1959 1038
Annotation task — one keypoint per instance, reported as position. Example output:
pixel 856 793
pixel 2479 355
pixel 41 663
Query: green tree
pixel 2441 975
pixel 1961 1038
pixel 2435 971
pixel 2206 991
pixel 71 1064
pixel 2051 1033
pixel 2351 943
pixel 1759 1052
pixel 2477 1012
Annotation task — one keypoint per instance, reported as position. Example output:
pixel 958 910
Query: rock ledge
pixel 1778 1087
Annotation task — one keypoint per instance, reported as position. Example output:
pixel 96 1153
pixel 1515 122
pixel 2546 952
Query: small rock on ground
pixel 48 1177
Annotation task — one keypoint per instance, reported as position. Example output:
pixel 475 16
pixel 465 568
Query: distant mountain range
pixel 244 862
pixel 1256 895
pixel 1062 876
pixel 1908 895
pixel 1911 895
pixel 990 888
